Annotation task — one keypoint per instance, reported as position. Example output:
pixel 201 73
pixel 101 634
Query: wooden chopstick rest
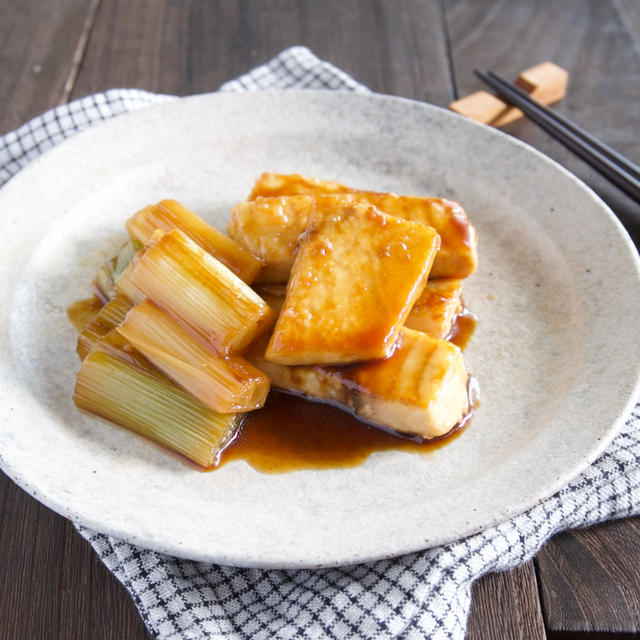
pixel 546 82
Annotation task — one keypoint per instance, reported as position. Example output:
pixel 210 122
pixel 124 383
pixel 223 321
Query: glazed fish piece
pixel 269 229
pixel 458 255
pixel 435 312
pixel 356 277
pixel 270 185
pixel 421 389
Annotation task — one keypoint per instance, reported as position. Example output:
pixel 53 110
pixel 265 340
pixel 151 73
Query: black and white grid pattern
pixel 422 595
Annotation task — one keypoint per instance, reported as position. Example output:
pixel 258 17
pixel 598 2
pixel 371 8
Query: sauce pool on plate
pixel 291 434
pixel 463 328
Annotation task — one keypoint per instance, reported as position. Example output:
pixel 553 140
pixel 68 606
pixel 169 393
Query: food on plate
pixel 270 185
pixel 105 280
pixel 348 306
pixel 124 286
pixel 199 292
pixel 117 383
pixel 227 385
pixel 281 220
pixel 356 276
pixel 269 228
pixel 169 214
pixel 436 310
pixel 421 389
pixel 107 319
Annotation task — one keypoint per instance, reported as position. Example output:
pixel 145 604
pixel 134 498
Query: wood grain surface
pixel 187 47
pixel 506 605
pixel 37 48
pixel 608 600
pixel 51 583
pixel 592 41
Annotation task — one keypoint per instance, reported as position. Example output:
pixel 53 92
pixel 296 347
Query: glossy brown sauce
pixel 463 328
pixel 82 312
pixel 290 434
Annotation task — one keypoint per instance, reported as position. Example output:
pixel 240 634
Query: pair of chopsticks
pixel 614 166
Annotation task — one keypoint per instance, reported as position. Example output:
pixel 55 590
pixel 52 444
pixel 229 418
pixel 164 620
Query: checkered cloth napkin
pixel 421 595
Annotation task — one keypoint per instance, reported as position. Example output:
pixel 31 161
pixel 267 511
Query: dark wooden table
pixel 583 584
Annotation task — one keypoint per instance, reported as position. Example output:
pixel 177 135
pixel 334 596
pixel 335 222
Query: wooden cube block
pixel 487 108
pixel 546 82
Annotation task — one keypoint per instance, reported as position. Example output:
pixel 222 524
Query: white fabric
pixel 422 595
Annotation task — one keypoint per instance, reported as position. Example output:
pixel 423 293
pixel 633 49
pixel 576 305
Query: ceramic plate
pixel 556 351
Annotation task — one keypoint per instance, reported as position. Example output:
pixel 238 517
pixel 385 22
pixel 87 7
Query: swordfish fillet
pixel 269 228
pixel 420 390
pixel 435 312
pixel 438 308
pixel 356 277
pixel 457 258
pixel 270 185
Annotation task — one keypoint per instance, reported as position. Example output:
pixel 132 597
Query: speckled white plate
pixel 556 351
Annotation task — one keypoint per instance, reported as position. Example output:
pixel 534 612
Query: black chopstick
pixel 600 146
pixel 618 169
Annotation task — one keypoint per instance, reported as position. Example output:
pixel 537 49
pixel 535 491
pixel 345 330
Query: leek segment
pixel 199 292
pixel 227 385
pixel 125 390
pixel 124 287
pixel 108 318
pixel 110 271
pixel 169 214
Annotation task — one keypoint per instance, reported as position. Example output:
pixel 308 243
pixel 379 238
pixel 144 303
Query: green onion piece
pixel 110 271
pixel 169 214
pixel 113 386
pixel 109 317
pixel 227 385
pixel 199 292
